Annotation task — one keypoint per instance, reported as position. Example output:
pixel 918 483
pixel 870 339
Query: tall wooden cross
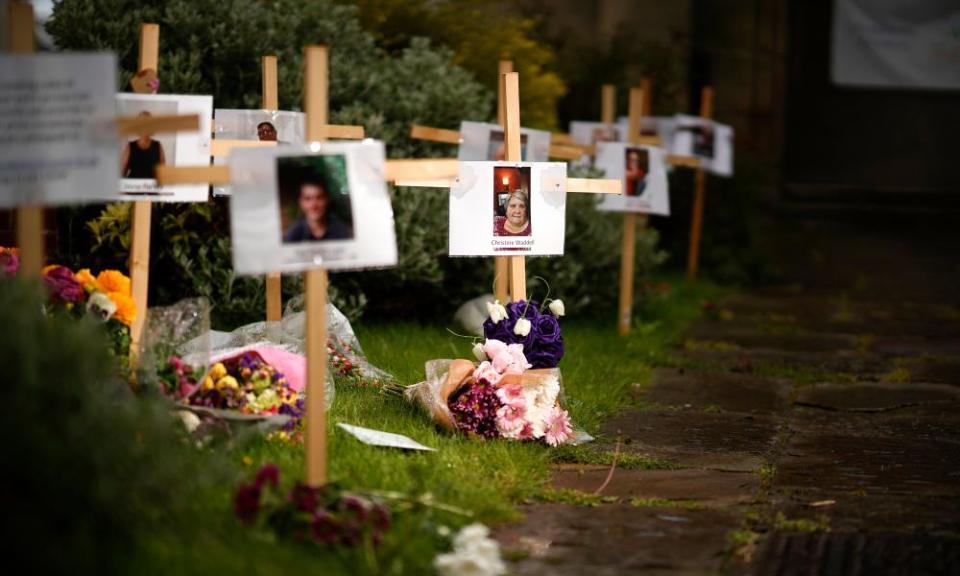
pixel 696 224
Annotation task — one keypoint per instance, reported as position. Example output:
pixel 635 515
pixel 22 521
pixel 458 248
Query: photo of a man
pixel 635 172
pixel 314 199
pixel 266 132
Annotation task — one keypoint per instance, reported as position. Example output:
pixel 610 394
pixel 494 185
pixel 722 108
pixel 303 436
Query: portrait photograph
pixel 636 169
pixel 497 148
pixel 707 140
pixel 504 208
pixel 140 155
pixel 592 133
pixel 643 172
pixel 511 202
pixel 314 199
pixel 278 126
pixel 300 207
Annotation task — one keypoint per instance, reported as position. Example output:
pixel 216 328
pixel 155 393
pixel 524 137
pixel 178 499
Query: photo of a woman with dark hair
pixel 306 192
pixel 635 173
pixel 140 157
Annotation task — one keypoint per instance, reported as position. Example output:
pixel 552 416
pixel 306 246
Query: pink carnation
pixel 511 394
pixel 486 371
pixel 510 418
pixel 556 428
pixel 526 433
pixel 494 347
pixel 502 361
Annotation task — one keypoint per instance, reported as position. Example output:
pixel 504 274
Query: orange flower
pixel 112 281
pixel 87 280
pixel 49 267
pixel 126 307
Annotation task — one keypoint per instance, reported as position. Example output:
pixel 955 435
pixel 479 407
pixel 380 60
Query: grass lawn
pixel 487 479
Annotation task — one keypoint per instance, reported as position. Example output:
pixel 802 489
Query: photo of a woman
pixel 511 202
pixel 635 173
pixel 140 157
pixel 306 197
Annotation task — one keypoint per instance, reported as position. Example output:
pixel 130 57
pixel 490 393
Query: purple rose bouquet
pixel 532 324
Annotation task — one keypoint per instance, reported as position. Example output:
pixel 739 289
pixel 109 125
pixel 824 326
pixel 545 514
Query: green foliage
pixel 481 34
pixel 90 469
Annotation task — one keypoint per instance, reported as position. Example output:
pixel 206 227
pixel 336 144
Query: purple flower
pixel 246 503
pixel 523 309
pixel 325 528
pixel 474 410
pixel 381 517
pixel 355 505
pixel 268 474
pixel 547 329
pixel 304 497
pixel 63 286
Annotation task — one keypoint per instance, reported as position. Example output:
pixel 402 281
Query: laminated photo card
pixel 277 126
pixel 707 140
pixel 642 170
pixel 662 126
pixel 593 133
pixel 508 209
pixel 57 140
pixel 481 141
pixel 140 156
pixel 310 206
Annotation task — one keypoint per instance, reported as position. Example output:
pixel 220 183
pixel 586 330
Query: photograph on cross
pixel 511 206
pixel 314 199
pixel 642 169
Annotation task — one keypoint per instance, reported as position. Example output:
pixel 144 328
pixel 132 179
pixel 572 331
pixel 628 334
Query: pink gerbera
pixel 556 428
pixel 510 418
pixel 511 394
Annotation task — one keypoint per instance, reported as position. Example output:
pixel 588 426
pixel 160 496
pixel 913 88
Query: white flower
pixel 474 554
pixel 496 310
pixel 522 327
pixel 190 420
pixel 101 305
pixel 479 353
pixel 556 306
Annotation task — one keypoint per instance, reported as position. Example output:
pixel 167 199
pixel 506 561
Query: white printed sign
pixel 139 156
pixel 480 141
pixel 277 126
pixel 642 170
pixel 508 209
pixel 57 145
pixel 311 206
pixel 709 141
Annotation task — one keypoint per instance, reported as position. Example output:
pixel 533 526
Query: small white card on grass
pixel 508 209
pixel 707 140
pixel 139 156
pixel 277 126
pixel 481 141
pixel 319 205
pixel 385 439
pixel 644 176
pixel 56 141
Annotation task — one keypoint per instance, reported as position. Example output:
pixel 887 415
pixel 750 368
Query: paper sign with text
pixel 57 144
pixel 140 156
pixel 508 209
pixel 643 172
pixel 322 205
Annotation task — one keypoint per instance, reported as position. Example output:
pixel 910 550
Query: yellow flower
pixel 208 383
pixel 218 371
pixel 126 307
pixel 113 281
pixel 227 382
pixel 87 280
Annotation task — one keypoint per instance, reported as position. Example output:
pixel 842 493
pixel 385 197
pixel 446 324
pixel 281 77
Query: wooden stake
pixel 629 239
pixel 271 102
pixel 501 264
pixel 696 225
pixel 511 136
pixel 315 105
pixel 608 105
pixel 29 218
pixel 140 223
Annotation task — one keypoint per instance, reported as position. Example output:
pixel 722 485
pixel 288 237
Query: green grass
pixel 488 479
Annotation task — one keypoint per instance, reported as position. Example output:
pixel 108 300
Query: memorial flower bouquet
pixel 324 516
pixel 245 382
pixel 513 389
pixel 106 296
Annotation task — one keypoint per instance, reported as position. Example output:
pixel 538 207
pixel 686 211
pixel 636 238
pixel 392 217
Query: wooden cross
pixel 696 224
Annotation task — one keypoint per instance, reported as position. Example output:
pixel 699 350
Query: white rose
pixel 101 305
pixel 556 306
pixel 522 327
pixel 496 310
pixel 479 353
pixel 190 420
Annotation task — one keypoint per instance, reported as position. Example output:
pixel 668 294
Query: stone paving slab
pixel 864 366
pixel 689 439
pixel 875 396
pixel 706 487
pixel 752 338
pixel 617 539
pixel 734 392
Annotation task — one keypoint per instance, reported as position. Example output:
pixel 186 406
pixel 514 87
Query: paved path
pixel 812 432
